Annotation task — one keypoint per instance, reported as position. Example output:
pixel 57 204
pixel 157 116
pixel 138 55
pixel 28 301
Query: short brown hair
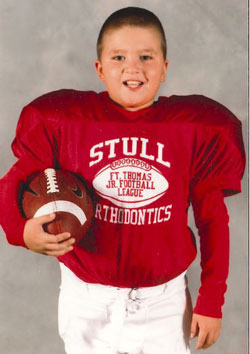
pixel 132 16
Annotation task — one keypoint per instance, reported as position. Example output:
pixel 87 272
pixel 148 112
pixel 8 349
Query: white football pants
pixel 100 319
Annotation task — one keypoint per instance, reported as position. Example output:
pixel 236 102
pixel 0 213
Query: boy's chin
pixel 137 106
pixel 132 105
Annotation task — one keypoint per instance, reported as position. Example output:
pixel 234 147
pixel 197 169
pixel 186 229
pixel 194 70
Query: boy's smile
pixel 132 66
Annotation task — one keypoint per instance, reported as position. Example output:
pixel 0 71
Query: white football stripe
pixel 62 205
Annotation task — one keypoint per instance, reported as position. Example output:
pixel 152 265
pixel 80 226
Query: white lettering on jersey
pixel 125 146
pixel 144 150
pixel 112 147
pixel 149 216
pixel 160 153
pixel 97 153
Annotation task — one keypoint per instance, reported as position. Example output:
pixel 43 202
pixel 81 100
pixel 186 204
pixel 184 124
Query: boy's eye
pixel 119 57
pixel 145 57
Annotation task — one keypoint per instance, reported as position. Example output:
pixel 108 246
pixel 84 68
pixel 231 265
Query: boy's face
pixel 132 66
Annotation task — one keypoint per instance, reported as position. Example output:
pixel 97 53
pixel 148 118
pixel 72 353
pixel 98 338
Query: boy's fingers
pixel 62 237
pixel 59 245
pixel 201 339
pixel 211 339
pixel 194 328
pixel 59 238
pixel 59 253
pixel 54 248
pixel 207 328
pixel 45 218
pixel 51 238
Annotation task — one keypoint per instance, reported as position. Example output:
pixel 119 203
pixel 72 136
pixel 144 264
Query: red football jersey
pixel 143 168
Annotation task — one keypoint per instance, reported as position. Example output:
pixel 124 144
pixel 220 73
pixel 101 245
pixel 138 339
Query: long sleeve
pixel 35 150
pixel 218 169
pixel 211 219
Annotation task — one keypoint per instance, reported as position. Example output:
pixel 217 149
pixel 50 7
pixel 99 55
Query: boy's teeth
pixel 133 84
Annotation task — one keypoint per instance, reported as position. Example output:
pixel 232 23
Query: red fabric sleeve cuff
pixel 206 306
pixel 17 239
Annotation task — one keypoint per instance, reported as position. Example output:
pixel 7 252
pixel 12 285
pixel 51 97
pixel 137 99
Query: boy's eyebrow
pixel 115 51
pixel 148 50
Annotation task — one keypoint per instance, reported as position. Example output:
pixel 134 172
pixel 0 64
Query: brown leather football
pixel 60 192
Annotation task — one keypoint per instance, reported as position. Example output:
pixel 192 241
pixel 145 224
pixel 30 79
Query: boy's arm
pixel 218 166
pixel 212 222
pixel 35 150
pixel 212 219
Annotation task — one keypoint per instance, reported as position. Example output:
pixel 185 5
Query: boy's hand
pixel 41 242
pixel 206 328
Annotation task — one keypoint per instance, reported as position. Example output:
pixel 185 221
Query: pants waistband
pixel 106 290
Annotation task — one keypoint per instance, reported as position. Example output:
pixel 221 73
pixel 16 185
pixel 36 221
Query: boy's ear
pixel 98 68
pixel 165 68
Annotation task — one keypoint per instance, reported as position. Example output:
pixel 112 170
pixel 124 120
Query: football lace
pixel 52 186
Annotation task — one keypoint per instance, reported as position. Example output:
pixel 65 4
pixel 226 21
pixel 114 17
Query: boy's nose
pixel 131 71
pixel 132 66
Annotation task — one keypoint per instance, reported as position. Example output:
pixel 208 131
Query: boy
pixel 146 161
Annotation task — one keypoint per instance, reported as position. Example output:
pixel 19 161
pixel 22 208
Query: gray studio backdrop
pixel 50 44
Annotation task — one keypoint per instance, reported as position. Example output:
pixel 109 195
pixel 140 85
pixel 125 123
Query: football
pixel 62 193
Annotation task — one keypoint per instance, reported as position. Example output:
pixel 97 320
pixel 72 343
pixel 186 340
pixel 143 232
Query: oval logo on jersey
pixel 130 183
